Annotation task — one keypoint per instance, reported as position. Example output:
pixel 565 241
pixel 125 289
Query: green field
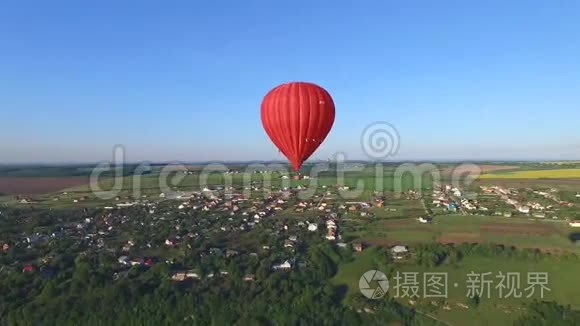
pixel 552 237
pixel 491 311
pixel 534 174
pixel 546 235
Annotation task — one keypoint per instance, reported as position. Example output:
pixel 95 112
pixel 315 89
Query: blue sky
pixel 183 80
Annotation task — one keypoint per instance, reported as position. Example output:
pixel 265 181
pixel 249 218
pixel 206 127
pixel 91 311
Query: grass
pixel 494 310
pixel 546 235
pixel 561 275
pixel 534 174
pixel 349 273
pixel 508 231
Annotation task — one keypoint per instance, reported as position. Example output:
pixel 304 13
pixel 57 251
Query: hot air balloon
pixel 297 117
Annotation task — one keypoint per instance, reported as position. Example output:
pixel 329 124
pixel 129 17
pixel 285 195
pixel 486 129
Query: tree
pixel 548 313
pixel 473 301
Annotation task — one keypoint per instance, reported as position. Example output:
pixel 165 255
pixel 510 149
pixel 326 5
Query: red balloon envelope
pixel 297 117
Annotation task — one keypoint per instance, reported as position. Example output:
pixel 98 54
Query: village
pixel 198 233
pixel 192 228
pixel 506 202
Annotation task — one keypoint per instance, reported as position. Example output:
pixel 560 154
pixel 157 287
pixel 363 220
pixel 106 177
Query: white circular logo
pixel 380 140
pixel 364 284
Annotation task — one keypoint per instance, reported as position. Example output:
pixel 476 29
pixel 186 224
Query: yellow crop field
pixel 534 174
